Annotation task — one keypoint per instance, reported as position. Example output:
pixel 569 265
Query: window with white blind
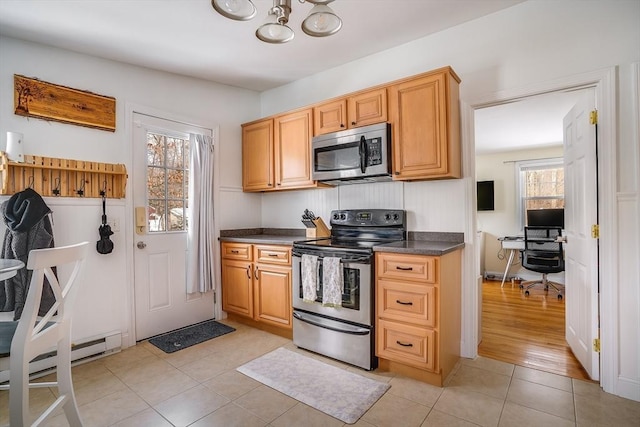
pixel 541 185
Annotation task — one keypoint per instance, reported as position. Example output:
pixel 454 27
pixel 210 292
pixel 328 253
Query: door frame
pixel 604 81
pixel 129 338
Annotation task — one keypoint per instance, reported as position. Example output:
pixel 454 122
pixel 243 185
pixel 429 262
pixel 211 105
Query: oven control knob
pixel 387 217
pixel 343 216
pixel 336 216
pixel 395 217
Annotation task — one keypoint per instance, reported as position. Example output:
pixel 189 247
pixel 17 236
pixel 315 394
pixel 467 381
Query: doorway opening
pixel 524 330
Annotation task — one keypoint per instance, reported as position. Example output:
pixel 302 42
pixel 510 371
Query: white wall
pixel 503 220
pixel 528 44
pixel 105 303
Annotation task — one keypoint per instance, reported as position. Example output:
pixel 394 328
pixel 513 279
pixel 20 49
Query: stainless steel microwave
pixel 353 156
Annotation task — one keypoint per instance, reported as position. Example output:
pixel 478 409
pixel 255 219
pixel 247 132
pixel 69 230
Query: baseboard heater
pixel 80 353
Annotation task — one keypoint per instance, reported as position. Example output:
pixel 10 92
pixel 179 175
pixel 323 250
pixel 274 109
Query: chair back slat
pixel 31 330
pixel 543 250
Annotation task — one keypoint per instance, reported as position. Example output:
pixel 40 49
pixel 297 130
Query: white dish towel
pixel 332 282
pixel 309 278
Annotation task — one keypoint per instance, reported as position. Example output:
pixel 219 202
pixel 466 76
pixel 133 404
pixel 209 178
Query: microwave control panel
pixel 374 151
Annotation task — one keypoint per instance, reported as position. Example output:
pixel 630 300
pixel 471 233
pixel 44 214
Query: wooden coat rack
pixel 62 177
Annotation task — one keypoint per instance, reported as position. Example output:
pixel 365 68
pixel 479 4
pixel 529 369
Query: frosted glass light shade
pixel 321 22
pixel 273 32
pixel 239 10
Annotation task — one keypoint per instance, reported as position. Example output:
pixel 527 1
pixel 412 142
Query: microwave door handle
pixel 363 154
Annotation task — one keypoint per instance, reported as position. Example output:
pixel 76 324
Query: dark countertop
pixel 420 247
pixel 418 243
pixel 266 236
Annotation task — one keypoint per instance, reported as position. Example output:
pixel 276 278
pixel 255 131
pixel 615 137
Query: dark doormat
pixel 190 335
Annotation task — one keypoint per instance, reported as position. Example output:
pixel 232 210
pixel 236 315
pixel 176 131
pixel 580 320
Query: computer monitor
pixel 545 218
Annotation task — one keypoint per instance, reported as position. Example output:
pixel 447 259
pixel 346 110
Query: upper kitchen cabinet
pixel 276 152
pixel 292 136
pixel 425 118
pixel 257 156
pixel 360 109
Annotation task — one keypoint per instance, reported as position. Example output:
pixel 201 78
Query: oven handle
pixel 344 260
pixel 317 321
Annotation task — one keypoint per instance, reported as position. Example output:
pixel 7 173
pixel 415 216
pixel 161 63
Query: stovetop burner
pixel 359 230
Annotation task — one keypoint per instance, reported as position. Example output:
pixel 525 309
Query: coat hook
pixel 80 191
pixel 103 192
pixel 56 187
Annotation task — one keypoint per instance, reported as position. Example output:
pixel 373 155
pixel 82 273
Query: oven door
pixel 357 297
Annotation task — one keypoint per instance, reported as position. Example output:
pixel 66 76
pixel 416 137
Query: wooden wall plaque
pixel 48 101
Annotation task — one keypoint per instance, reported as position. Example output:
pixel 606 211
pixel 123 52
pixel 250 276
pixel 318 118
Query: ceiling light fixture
pixel 321 21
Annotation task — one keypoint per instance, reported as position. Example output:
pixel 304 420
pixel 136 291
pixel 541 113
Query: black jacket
pixel 26 216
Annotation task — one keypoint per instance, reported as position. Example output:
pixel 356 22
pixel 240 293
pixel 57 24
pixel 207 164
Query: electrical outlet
pixel 114 224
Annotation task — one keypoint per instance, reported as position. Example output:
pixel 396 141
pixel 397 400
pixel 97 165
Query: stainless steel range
pixel 343 331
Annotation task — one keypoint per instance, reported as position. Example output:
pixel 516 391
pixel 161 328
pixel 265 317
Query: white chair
pixel 33 335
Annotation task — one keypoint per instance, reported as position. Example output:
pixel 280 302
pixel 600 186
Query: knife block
pixel 319 231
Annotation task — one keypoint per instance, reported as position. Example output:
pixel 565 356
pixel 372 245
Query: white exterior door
pixel 581 249
pixel 160 189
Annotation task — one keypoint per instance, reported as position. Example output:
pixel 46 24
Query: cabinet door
pixel 273 295
pixel 257 156
pixel 292 134
pixel 237 290
pixel 425 119
pixel 330 117
pixel 367 108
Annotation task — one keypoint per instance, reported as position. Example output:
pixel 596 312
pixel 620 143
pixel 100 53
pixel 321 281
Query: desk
pixel 9 268
pixel 514 245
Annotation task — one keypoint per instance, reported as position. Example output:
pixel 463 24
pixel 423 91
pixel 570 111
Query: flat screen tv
pixel 545 218
pixel 485 195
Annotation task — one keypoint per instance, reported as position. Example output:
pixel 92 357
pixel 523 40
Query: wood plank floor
pixel 526 331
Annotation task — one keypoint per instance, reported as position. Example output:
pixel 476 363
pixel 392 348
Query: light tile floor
pixel 199 386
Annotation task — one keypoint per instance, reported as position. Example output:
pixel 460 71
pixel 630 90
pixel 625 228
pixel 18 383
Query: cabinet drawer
pixel 407 302
pixel 240 251
pixel 268 254
pixel 407 267
pixel 406 344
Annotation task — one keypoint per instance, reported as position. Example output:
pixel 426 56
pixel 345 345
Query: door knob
pixel 141 245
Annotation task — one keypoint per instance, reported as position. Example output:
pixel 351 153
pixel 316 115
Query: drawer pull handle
pixel 275 255
pixel 404 268
pixel 235 251
pixel 404 302
pixel 404 344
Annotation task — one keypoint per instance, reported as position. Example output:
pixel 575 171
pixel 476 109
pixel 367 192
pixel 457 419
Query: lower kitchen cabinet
pixel 272 291
pixel 256 283
pixel 418 325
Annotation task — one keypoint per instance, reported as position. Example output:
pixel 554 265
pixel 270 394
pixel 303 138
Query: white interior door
pixel 581 249
pixel 160 191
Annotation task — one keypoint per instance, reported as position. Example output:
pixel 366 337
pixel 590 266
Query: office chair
pixel 32 336
pixel 543 253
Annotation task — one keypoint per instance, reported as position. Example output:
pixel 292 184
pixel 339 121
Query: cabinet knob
pixel 397 173
pixel 341 125
pixel 353 123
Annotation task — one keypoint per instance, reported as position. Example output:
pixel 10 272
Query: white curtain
pixel 201 235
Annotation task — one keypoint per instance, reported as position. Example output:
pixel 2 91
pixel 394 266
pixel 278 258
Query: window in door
pixel 167 182
pixel 541 185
